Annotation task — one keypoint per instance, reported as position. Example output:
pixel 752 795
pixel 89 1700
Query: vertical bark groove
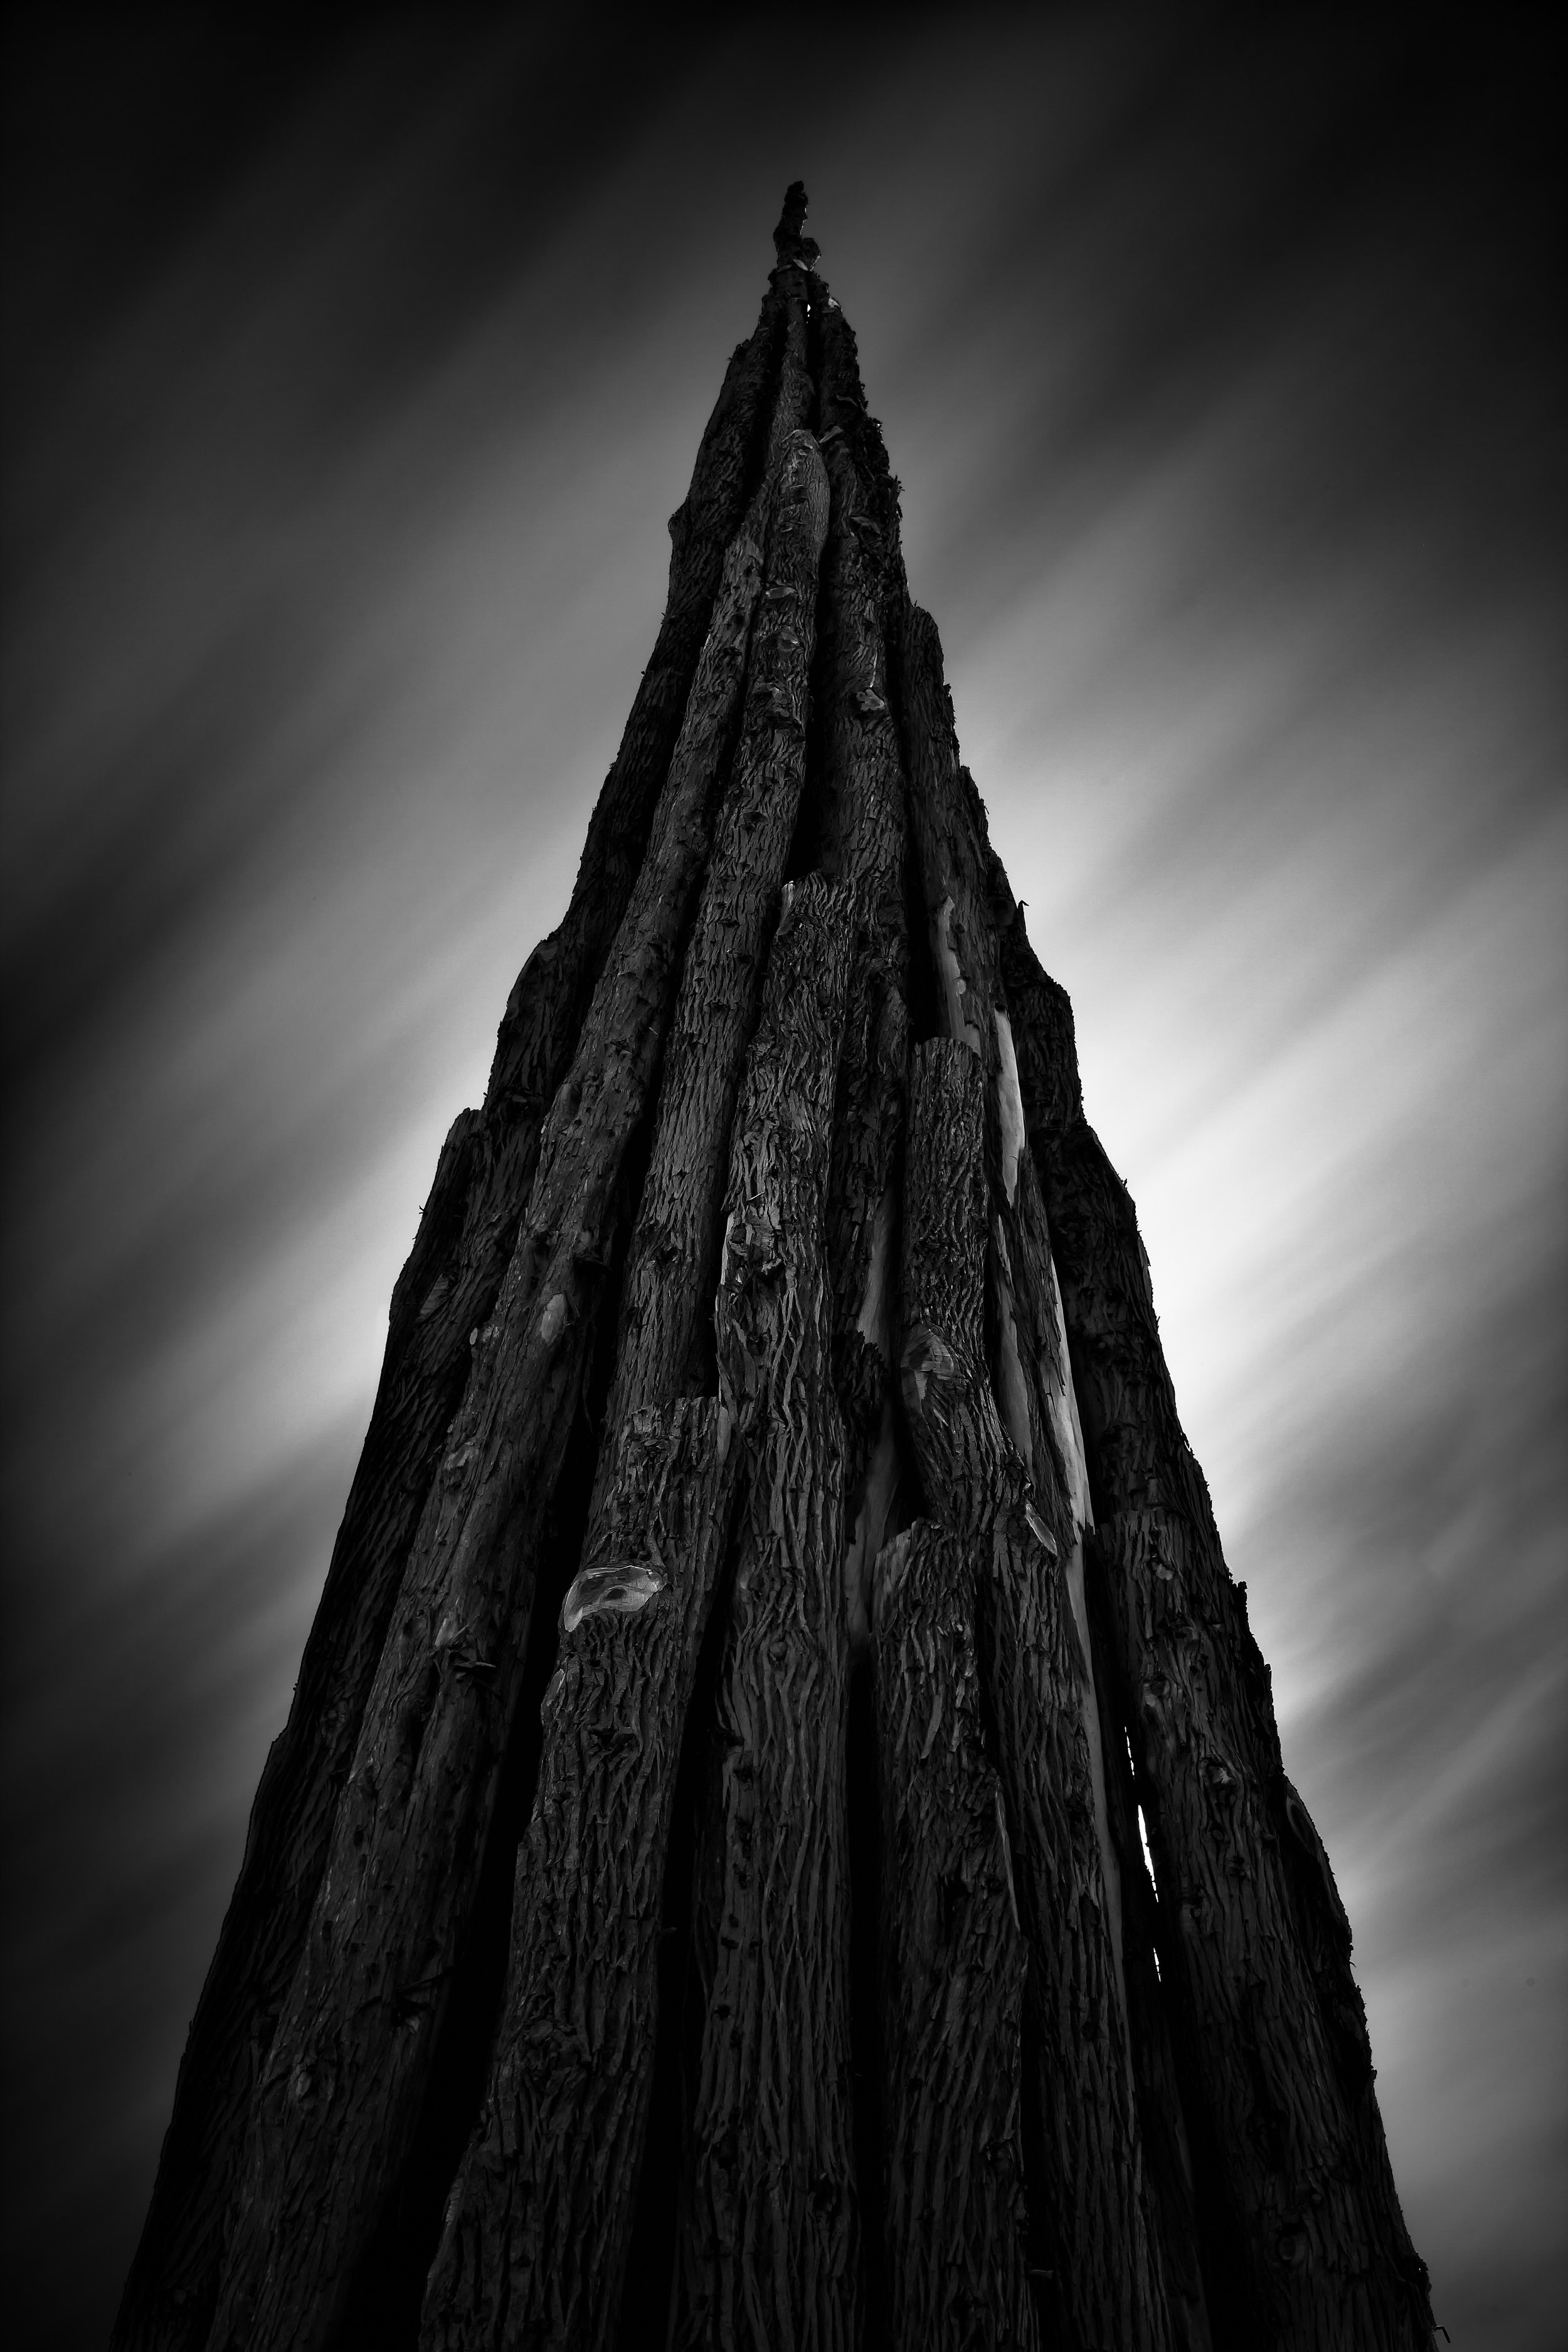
pixel 956 2226
pixel 766 2250
pixel 442 1706
pixel 540 2218
pixel 959 2070
pixel 1257 1949
pixel 663 1345
pixel 1108 2286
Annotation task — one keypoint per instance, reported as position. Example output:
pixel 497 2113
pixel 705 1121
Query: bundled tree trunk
pixel 449 1286
pixel 883 1410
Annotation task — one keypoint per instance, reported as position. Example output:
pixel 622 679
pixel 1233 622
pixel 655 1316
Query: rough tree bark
pixel 1105 2109
pixel 536 2183
pixel 862 839
pixel 956 2224
pixel 449 1286
pixel 766 2247
pixel 440 1716
pixel 666 1340
pixel 1276 2071
pixel 1106 2278
pixel 540 2216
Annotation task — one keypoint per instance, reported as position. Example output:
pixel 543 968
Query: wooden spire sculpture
pixel 698 1897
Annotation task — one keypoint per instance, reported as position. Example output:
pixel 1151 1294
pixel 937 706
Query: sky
pixel 349 380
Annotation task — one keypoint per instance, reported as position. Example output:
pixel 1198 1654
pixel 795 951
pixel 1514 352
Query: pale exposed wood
pixel 956 2226
pixel 766 2253
pixel 448 1287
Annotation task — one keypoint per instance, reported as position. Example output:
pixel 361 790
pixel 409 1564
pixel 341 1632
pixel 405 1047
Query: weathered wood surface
pixel 539 2217
pixel 766 2254
pixel 862 838
pixel 970 1468
pixel 956 2224
pixel 1270 2033
pixel 1189 2065
pixel 1167 2145
pixel 1027 1342
pixel 1089 2199
pixel 318 2170
pixel 449 1286
pixel 666 1339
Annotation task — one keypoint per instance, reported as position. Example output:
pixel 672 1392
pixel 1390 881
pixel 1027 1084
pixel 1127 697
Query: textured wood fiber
pixel 956 2227
pixel 666 1336
pixel 767 2254
pixel 383 1920
pixel 969 1466
pixel 1047 1065
pixel 1077 2077
pixel 1167 2145
pixel 449 1286
pixel 1307 2245
pixel 863 838
pixel 539 2220
pixel 1025 1338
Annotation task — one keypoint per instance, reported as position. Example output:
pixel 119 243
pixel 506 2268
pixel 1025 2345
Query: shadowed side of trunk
pixel 449 1286
pixel 1305 2244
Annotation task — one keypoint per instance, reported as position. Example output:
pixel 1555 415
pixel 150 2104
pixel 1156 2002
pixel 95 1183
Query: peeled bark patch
pixel 539 2217
pixel 766 2252
pixel 952 1969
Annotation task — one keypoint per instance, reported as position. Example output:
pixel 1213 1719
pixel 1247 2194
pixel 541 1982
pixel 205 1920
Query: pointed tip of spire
pixel 795 250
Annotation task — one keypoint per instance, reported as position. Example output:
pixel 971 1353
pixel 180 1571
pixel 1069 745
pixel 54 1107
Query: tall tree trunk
pixel 666 1338
pixel 863 839
pixel 535 2184
pixel 956 2221
pixel 1107 2283
pixel 540 2218
pixel 1309 2245
pixel 447 1289
pixel 1069 2103
pixel 766 2253
pixel 338 2106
